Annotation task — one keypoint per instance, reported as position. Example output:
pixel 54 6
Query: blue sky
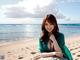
pixel 70 9
pixel 32 12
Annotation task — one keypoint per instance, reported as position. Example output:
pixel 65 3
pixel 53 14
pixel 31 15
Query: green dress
pixel 43 47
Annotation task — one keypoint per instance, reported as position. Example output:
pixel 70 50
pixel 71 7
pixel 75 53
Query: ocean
pixel 12 32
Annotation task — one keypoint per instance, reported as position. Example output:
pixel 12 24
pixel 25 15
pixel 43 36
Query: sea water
pixel 12 32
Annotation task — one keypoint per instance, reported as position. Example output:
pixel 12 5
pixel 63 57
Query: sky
pixel 33 11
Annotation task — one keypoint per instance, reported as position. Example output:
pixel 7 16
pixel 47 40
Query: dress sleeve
pixel 64 48
pixel 40 45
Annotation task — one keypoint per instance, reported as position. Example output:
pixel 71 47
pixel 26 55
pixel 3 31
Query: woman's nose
pixel 48 26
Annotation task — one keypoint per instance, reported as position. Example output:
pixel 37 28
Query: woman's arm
pixel 56 47
pixel 55 44
pixel 50 54
pixel 43 55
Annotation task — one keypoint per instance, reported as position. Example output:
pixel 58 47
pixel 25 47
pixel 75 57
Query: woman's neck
pixel 50 33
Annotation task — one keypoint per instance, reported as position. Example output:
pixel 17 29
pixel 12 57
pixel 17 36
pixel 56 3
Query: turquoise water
pixel 11 32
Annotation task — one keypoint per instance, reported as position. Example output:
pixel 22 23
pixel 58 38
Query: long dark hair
pixel 52 20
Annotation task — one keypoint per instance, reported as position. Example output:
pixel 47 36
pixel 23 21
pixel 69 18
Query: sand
pixel 26 49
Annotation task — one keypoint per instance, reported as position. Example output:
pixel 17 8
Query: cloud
pixel 17 12
pixel 50 9
pixel 35 9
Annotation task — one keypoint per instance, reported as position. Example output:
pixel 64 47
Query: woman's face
pixel 49 27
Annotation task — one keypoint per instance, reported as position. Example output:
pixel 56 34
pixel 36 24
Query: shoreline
pixel 25 49
pixel 2 43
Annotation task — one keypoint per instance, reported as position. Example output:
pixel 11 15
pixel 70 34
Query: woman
pixel 51 43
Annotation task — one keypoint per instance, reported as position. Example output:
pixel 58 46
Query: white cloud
pixel 31 5
pixel 18 13
pixel 24 11
pixel 34 9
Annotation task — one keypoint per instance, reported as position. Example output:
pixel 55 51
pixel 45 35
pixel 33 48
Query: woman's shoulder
pixel 41 35
pixel 60 34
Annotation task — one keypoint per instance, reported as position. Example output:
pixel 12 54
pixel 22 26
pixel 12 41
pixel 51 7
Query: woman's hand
pixel 59 54
pixel 52 37
pixel 43 55
pixel 37 56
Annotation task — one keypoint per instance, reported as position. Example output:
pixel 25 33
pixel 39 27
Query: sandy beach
pixel 26 49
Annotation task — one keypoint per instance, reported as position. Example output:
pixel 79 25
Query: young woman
pixel 51 43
